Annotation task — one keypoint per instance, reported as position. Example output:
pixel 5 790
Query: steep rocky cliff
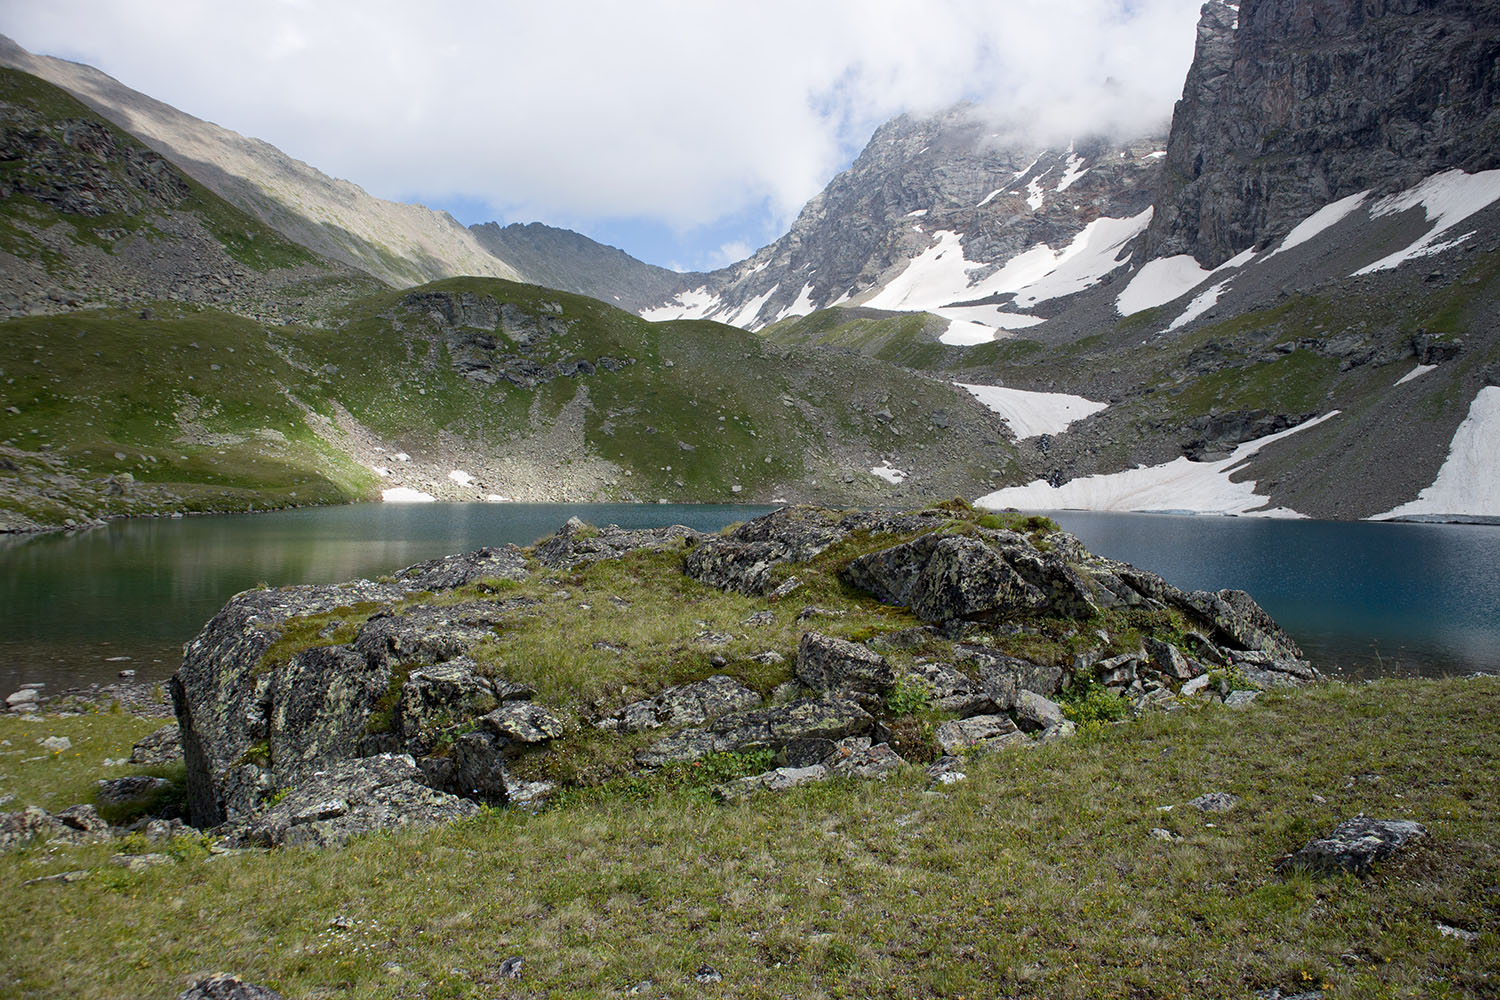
pixel 1290 105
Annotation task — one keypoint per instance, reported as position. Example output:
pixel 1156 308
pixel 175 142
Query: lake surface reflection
pixel 1360 598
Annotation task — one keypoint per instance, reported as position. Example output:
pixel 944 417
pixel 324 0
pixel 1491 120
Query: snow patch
pixel 989 198
pixel 1415 373
pixel 1092 254
pixel 801 307
pixel 1178 485
pixel 1159 282
pixel 1448 198
pixel 744 317
pixel 1201 304
pixel 1034 197
pixel 405 494
pixel 1238 260
pixel 917 214
pixel 1320 220
pixel 697 303
pixel 1469 480
pixel 1074 170
pixel 890 475
pixel 932 279
pixel 461 477
pixel 1031 413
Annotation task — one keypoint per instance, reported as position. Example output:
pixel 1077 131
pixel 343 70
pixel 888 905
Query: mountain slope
pixel 563 259
pixel 397 243
pixel 946 201
pixel 90 216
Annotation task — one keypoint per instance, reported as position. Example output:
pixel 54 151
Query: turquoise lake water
pixel 1360 598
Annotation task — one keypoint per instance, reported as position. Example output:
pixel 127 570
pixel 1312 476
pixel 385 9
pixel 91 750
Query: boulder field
pixel 314 713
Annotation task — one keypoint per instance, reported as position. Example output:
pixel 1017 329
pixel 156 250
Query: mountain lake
pixel 1362 599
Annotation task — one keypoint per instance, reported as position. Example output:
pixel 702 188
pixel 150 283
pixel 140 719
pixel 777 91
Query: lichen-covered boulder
pixel 960 735
pixel 762 729
pixel 825 663
pixel 1354 846
pixel 506 562
pixel 684 705
pixel 222 986
pixel 355 797
pixel 159 747
pixel 576 542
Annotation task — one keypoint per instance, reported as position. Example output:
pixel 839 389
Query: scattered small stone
pixel 25 696
pixel 1215 802
pixel 225 987
pixel 1240 699
pixel 641 987
pixel 57 744
pixel 762 618
pixel 708 974
pixel 139 862
pixel 1198 685
pixel 788 585
pixel 341 922
pixel 511 967
pixel 1166 835
pixel 769 658
pixel 73 876
pixel 1468 937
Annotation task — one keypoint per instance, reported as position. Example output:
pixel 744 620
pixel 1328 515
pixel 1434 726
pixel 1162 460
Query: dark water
pixel 142 588
pixel 1360 598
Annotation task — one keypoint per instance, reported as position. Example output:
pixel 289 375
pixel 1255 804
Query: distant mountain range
pixel 1284 302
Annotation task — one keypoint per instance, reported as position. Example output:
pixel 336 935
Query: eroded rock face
pixel 1290 105
pixel 503 563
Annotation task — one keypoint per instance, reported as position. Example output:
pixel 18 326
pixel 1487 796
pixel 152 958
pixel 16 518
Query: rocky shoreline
pixel 389 712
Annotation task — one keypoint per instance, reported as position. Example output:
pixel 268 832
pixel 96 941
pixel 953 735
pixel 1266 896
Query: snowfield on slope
pixel 1448 198
pixel 1032 413
pixel 1469 481
pixel 1177 486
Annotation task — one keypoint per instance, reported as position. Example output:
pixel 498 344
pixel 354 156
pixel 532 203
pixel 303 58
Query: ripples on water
pixel 1360 598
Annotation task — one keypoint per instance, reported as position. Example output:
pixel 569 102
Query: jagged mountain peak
pixel 926 186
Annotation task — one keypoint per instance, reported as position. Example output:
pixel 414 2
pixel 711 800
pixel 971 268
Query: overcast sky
pixel 688 132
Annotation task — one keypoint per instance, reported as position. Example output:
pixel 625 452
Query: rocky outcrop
pixel 252 725
pixel 312 714
pixel 490 342
pixel 743 559
pixel 1290 105
pixel 577 543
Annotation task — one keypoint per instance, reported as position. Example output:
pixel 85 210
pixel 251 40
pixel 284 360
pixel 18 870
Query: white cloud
pixel 685 113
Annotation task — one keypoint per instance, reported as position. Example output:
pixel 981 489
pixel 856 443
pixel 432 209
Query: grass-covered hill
pixel 533 393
